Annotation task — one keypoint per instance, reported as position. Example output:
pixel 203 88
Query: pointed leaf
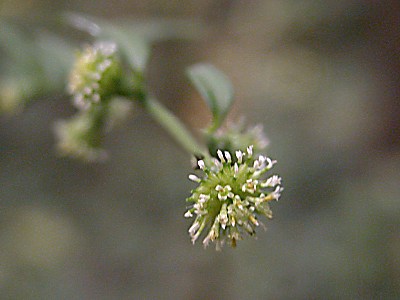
pixel 215 88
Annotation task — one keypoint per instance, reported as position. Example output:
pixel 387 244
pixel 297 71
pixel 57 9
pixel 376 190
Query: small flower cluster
pixel 95 83
pixel 230 195
pixel 78 137
pixel 95 74
pixel 236 136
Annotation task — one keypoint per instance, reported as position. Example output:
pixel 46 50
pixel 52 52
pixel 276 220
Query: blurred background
pixel 322 76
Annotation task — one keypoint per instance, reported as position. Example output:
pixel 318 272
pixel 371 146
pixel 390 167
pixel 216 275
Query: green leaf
pixel 215 88
pixel 158 30
pixel 133 47
pixel 55 57
pixel 18 48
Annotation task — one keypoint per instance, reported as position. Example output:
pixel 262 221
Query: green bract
pixel 230 196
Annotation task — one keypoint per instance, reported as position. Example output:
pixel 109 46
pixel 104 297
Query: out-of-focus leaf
pixel 55 57
pixel 215 88
pixel 134 48
pixel 16 90
pixel 165 29
pixel 32 66
pixel 17 47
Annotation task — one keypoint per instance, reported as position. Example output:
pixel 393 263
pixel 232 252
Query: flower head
pixel 95 74
pixel 231 194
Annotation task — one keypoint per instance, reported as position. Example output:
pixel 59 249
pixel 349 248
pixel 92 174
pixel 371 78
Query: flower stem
pixel 174 126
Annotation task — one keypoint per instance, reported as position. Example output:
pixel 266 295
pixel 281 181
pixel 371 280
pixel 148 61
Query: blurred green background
pixel 322 76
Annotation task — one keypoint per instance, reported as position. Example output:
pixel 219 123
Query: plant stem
pixel 174 126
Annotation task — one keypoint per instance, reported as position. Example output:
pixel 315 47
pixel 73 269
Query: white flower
pixel 231 195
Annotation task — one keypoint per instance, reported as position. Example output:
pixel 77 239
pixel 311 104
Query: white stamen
pixel 203 198
pixel 256 164
pixel 195 237
pixel 104 66
pixel 250 186
pixel 218 164
pixel 206 241
pixel 96 76
pixel 235 169
pixel 193 228
pixel 96 98
pixel 270 163
pixel 87 90
pixel 106 48
pixel 272 181
pixel 194 178
pixel 219 188
pixel 262 159
pixel 199 209
pixel 253 220
pixel 221 156
pixel 224 192
pixel 79 98
pixel 239 155
pixel 250 150
pixel 260 162
pixel 223 219
pixel 277 193
pixel 228 156
pixel 222 197
pixel 201 164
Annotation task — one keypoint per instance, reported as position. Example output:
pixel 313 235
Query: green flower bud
pixel 96 75
pixel 119 109
pixel 11 99
pixel 14 93
pixel 237 137
pixel 230 196
pixel 80 137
